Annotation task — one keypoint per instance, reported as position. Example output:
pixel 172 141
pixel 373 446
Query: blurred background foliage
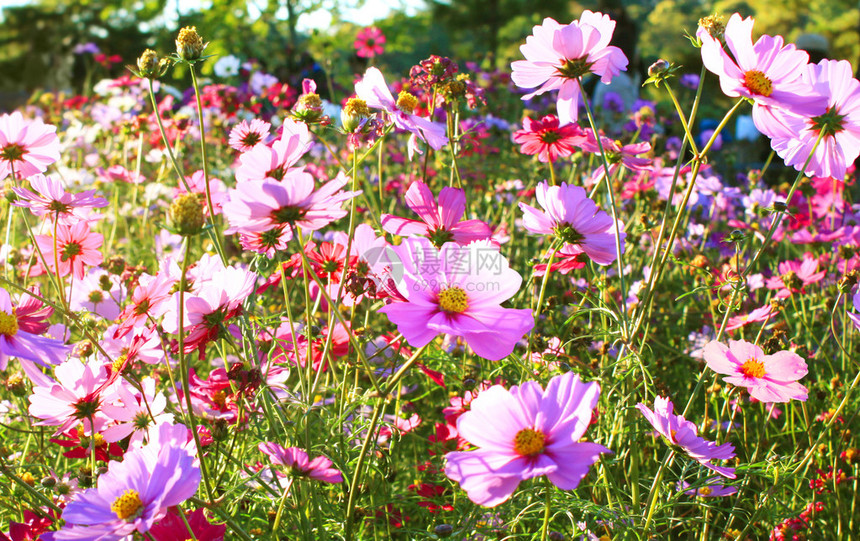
pixel 37 41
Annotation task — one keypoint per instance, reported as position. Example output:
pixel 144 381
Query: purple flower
pixel 522 433
pixel 683 434
pixel 712 489
pixel 458 290
pixel 136 493
pixel 20 330
pixel 297 459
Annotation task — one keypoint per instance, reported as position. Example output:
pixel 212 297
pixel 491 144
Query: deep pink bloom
pixel 51 199
pixel 298 459
pixel 172 527
pixel 134 494
pixel 682 433
pixel 148 300
pixel 558 55
pixel 840 145
pixel 458 291
pixel 134 413
pixel 26 146
pixel 20 330
pixel 575 219
pixel 373 90
pixel 768 378
pixel 769 72
pixel 440 222
pixel 258 206
pixel 369 42
pixel 547 139
pixel 274 162
pixel 522 433
pixel 618 155
pixel 245 136
pixel 77 247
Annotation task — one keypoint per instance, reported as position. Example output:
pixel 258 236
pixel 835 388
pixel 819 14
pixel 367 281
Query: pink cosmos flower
pixel 89 294
pixel 148 300
pixel 197 183
pixel 245 136
pixel 458 291
pixel 574 219
pixel 257 206
pixel 20 330
pixel 298 459
pixel 769 73
pixel 134 494
pixel 682 433
pixel 768 378
pixel 26 146
pixel 264 162
pixel 794 276
pixel 840 123
pixel 135 414
pixel 70 399
pixel 172 527
pixel 522 433
pixel 762 313
pixel 77 247
pixel 558 55
pixel 373 90
pixel 119 173
pixel 548 140
pixel 369 42
pixel 208 312
pixel 618 155
pixel 441 222
pixel 51 199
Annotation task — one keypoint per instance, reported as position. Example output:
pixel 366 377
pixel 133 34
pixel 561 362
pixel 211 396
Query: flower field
pixel 542 301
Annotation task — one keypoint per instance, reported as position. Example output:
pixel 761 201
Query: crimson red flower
pixel 547 139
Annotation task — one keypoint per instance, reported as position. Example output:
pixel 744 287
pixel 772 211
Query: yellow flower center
pixel 119 361
pixel 128 506
pixel 529 441
pixel 753 368
pixel 705 491
pixel 220 398
pixel 406 102
pixel 8 323
pixel 758 83
pixel 356 107
pixel 453 300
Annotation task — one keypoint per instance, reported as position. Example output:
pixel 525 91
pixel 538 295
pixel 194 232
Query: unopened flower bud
pixel 189 44
pixel 443 530
pixel 147 64
pixel 185 214
pixel 780 206
pixel 353 113
pixel 658 68
pixel 48 481
pixel 15 384
pixel 308 108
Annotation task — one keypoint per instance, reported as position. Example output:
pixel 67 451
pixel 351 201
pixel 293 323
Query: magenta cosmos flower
pixel 258 206
pixel 458 291
pixel 768 378
pixel 522 433
pixel 683 434
pixel 20 327
pixel 297 459
pixel 274 162
pixel 369 42
pixel 373 90
pixel 245 136
pixel 26 146
pixel 70 399
pixel 574 219
pixel 549 140
pixel 840 123
pixel 441 222
pixel 769 72
pixel 77 247
pixel 134 494
pixel 558 55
